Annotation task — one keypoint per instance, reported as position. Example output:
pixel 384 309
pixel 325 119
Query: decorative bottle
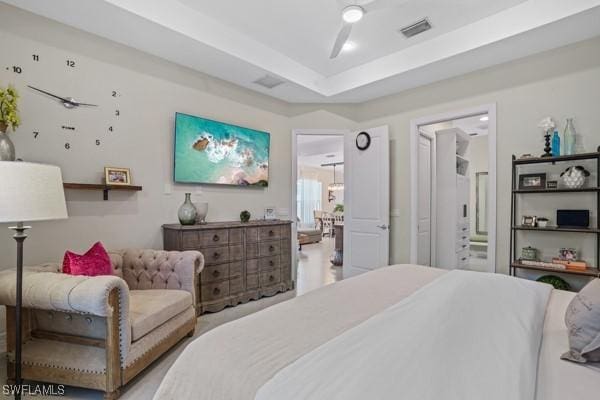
pixel 569 135
pixel 555 144
pixel 187 212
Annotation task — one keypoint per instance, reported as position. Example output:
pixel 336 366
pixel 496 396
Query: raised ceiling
pixel 241 41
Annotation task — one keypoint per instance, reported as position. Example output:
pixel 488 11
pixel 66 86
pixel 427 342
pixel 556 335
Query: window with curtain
pixel 309 200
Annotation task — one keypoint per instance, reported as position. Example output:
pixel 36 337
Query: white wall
pixel 150 92
pixel 561 83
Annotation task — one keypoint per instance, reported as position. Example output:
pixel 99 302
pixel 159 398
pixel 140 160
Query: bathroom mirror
pixel 481 190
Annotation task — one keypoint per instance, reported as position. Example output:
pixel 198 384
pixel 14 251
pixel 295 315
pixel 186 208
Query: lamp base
pixel 19 237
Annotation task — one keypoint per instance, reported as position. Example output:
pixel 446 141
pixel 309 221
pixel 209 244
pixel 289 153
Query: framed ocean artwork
pixel 212 152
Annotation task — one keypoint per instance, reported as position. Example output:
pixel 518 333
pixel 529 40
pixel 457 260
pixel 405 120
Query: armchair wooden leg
pixel 192 332
pixel 114 395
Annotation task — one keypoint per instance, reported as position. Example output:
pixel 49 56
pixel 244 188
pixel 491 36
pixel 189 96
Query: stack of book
pixel 576 265
pixel 543 264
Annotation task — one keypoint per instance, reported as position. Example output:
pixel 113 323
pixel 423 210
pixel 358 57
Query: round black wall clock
pixel 363 141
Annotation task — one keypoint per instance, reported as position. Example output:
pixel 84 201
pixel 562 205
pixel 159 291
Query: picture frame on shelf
pixel 529 221
pixel 270 213
pixel 117 176
pixel 567 254
pixel 535 181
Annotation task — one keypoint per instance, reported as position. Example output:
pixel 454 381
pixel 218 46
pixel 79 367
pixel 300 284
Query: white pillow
pixel 583 321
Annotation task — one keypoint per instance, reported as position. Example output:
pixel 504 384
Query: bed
pixel 333 334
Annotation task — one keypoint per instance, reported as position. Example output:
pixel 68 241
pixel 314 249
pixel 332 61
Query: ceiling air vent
pixel 269 81
pixel 416 28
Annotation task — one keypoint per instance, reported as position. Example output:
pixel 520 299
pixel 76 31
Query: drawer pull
pixel 464 259
pixel 464 237
pixel 216 238
pixel 271 263
pixel 216 255
pixel 216 291
pixel 271 232
pixel 271 278
pixel 216 273
pixel 464 245
pixel 464 229
pixel 271 248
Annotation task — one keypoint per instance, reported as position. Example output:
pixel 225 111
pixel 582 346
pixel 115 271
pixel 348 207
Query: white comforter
pixel 464 336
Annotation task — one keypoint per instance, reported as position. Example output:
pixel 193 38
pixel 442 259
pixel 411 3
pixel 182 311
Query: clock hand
pixel 68 102
pixel 64 100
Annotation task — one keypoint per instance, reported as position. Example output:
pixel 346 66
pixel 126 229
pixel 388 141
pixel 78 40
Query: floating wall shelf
pixel 104 188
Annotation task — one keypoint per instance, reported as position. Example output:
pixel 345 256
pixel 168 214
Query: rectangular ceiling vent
pixel 416 28
pixel 269 81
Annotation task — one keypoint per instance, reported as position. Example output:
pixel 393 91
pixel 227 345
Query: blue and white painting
pixel 214 152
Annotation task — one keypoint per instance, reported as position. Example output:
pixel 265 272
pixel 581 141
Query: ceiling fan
pixel 352 12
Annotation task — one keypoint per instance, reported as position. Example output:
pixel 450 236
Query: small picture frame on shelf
pixel 552 185
pixel 567 254
pixel 117 176
pixel 532 181
pixel 270 213
pixel 529 221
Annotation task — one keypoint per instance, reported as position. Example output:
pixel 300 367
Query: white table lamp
pixel 28 192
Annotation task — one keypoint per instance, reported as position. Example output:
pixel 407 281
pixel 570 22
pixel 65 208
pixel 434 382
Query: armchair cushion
pixel 149 309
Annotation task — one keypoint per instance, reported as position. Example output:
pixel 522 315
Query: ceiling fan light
pixel 352 14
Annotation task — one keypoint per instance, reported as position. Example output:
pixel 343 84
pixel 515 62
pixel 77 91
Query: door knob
pixel 384 227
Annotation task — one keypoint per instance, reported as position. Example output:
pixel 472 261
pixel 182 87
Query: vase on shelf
pixel 7 148
pixel 187 212
pixel 569 137
pixel 202 211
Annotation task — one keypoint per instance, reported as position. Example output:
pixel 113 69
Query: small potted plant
pixel 9 118
pixel 245 216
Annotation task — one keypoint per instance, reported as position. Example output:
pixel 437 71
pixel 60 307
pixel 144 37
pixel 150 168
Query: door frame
pixel 490 109
pixel 294 189
pixel 433 194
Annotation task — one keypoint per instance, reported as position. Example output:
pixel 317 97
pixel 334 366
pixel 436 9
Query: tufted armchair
pixel 100 332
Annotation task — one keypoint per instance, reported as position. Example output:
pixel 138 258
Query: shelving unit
pixel 515 227
pixel 104 188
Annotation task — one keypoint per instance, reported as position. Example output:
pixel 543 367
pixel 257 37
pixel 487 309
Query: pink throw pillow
pixel 93 263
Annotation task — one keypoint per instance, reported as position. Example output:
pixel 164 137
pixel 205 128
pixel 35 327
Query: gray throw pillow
pixel 583 321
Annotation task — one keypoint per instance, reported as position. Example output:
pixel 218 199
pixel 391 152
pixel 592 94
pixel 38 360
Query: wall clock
pixel 46 80
pixel 363 141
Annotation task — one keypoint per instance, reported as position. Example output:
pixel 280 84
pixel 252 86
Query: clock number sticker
pixel 71 63
pixel 114 93
pixel 36 57
pixel 35 134
pixel 117 113
pixel 67 146
pixel 16 69
pixel 110 129
pixel 97 142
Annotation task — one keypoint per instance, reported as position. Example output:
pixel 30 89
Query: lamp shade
pixel 31 192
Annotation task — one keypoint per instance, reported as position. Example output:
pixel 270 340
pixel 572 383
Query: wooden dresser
pixel 242 261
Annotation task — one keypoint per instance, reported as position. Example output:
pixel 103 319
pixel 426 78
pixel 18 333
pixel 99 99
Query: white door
pixel 424 202
pixel 367 202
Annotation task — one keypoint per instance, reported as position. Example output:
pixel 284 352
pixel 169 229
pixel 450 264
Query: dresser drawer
pixel 286 231
pixel 214 273
pixel 269 278
pixel 462 258
pixel 286 247
pixel 217 237
pixel 252 266
pixel 286 274
pixel 251 250
pixel 236 252
pixel 215 255
pixel 190 240
pixel 236 236
pixel 236 285
pixel 266 249
pixel 251 235
pixel 267 263
pixel 235 269
pixel 269 232
pixel 214 291
pixel 462 244
pixel 252 281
